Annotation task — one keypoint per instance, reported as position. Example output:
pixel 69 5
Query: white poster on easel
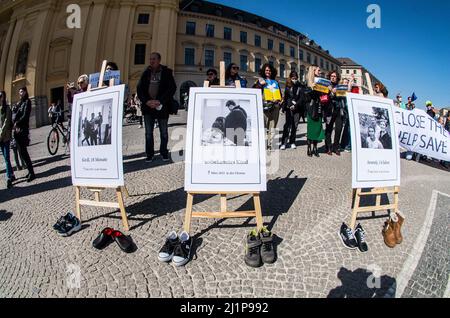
pixel 375 149
pixel 225 146
pixel 96 138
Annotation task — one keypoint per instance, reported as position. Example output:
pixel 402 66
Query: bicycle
pixel 53 136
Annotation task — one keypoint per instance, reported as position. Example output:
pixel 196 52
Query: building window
pixel 190 28
pixel 257 41
pixel 302 73
pixel 292 51
pixel 321 63
pixel 354 72
pixel 139 54
pixel 293 67
pixel 348 71
pixel 315 60
pixel 270 44
pixel 209 58
pixel 258 64
pixel 301 55
pixel 281 48
pixel 143 18
pixel 189 56
pixel 243 37
pixel 22 60
pixel 227 57
pixel 327 65
pixel 308 58
pixel 282 70
pixel 227 33
pixel 243 63
pixel 210 30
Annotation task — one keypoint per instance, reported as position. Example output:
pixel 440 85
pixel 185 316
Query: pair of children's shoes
pixel 259 248
pixel 176 249
pixel 108 235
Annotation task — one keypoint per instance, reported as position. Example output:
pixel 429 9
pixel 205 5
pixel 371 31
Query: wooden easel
pixel 223 214
pixel 120 191
pixel 378 192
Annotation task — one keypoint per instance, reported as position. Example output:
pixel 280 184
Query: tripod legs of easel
pixel 223 214
pixel 98 203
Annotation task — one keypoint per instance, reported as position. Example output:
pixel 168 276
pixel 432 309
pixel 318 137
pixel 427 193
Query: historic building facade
pixel 38 49
pixel 350 69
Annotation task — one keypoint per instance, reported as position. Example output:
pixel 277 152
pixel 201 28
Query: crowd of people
pixel 324 112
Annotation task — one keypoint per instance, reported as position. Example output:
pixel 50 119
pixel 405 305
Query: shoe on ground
pixel 62 220
pixel 69 227
pixel 167 251
pixel 253 250
pixel 103 239
pixel 293 146
pixel 389 233
pixel 329 152
pixel 360 236
pixel 283 147
pixel 13 178
pixel 140 126
pixel 124 242
pixel 31 177
pixel 409 157
pixel 348 149
pixel 267 248
pixel 398 233
pixel 347 237
pixel 165 158
pixel 9 184
pixel 182 253
pixel 337 152
pixel 149 159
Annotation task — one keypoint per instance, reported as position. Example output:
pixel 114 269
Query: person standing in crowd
pixel 318 100
pixel 212 77
pixel 447 123
pixel 155 91
pixel 20 163
pixel 346 137
pixel 271 100
pixel 381 90
pixel 293 105
pixel 334 115
pixel 21 130
pixel 399 102
pixel 232 75
pixel 5 137
pixel 430 109
pixel 410 105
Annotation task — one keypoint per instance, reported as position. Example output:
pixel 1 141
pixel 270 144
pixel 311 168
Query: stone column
pixel 165 31
pixel 123 38
pixel 5 52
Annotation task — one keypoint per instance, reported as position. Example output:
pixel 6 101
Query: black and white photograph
pixel 375 129
pixel 95 123
pixel 226 122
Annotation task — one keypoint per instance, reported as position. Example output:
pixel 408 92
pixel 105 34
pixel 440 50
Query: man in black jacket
pixel 155 91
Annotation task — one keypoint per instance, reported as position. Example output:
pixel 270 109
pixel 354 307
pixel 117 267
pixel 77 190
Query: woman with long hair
pixel 232 75
pixel 21 129
pixel 335 116
pixel 5 137
pixel 315 132
pixel 271 93
pixel 292 105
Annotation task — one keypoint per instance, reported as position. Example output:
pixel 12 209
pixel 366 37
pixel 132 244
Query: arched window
pixel 22 60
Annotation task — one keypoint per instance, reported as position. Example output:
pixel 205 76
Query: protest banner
pixel 322 85
pixel 418 132
pixel 341 90
pixel 94 78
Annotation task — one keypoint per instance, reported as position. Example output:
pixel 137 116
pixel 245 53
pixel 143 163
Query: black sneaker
pixel 182 252
pixel 149 159
pixel 167 251
pixel 347 237
pixel 9 184
pixel 267 249
pixel 71 226
pixel 165 158
pixel 360 235
pixel 62 220
pixel 253 250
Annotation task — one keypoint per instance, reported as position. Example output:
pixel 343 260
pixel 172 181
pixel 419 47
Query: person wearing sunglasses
pixel 212 77
pixel 232 75
pixel 5 137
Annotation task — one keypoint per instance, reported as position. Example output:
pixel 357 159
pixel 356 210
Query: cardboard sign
pixel 272 91
pixel 341 90
pixel 225 143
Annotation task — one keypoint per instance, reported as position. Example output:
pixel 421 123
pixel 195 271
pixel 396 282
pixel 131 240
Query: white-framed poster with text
pixel 96 138
pixel 225 142
pixel 375 149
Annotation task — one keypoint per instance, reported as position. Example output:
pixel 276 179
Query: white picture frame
pixel 96 138
pixel 375 148
pixel 225 145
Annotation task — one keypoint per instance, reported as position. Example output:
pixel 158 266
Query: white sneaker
pixel 293 146
pixel 283 147
pixel 182 252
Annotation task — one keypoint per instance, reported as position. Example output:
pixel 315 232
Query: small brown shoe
pixel 389 233
pixel 398 234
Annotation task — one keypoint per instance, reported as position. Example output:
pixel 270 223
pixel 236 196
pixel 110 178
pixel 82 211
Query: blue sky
pixel 410 52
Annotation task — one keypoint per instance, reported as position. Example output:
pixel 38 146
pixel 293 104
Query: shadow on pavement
pixel 4 216
pixel 361 283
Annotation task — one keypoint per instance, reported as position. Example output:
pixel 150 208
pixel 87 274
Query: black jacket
pixel 21 116
pixel 295 93
pixel 167 88
pixel 236 125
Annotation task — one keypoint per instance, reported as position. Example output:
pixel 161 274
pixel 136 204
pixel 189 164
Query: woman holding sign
pixel 271 100
pixel 315 132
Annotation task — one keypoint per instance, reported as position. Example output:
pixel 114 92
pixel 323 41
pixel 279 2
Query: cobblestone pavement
pixel 306 202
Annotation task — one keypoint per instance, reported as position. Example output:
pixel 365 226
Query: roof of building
pixel 345 61
pixel 206 7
